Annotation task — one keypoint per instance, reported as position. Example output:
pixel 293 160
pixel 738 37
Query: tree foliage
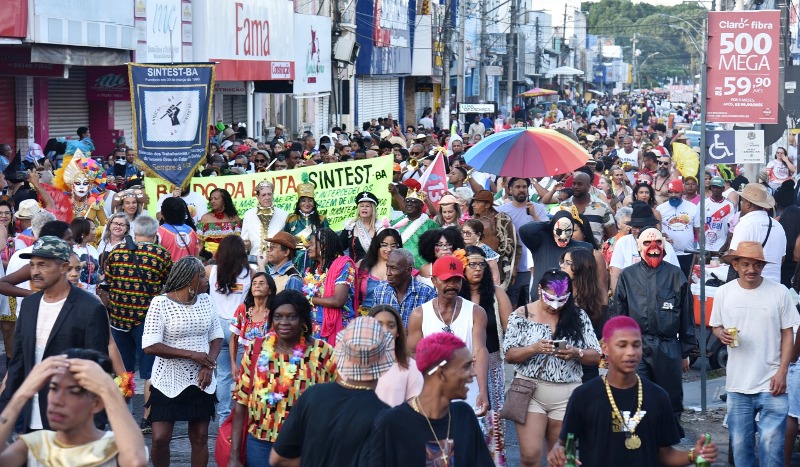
pixel 667 30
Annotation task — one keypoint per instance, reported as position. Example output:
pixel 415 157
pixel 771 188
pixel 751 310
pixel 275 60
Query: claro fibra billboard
pixel 386 34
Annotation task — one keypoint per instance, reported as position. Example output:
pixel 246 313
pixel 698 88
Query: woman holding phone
pixel 547 341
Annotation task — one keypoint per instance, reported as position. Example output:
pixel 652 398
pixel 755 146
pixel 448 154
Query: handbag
pixel 518 397
pixel 222 448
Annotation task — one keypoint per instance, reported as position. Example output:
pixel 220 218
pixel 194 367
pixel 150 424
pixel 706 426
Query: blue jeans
pixel 224 375
pixel 129 344
pixel 742 409
pixel 257 451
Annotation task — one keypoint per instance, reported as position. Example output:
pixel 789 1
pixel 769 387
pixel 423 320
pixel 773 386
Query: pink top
pixel 398 385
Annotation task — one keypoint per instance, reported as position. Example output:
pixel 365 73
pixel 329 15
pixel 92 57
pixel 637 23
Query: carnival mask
pixel 651 247
pixel 555 301
pixel 81 187
pixel 562 232
pixel 560 295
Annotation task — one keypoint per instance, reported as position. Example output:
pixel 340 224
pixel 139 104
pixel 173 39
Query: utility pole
pixel 537 61
pixel 484 52
pixel 447 55
pixel 564 40
pixel 461 65
pixel 633 60
pixel 512 52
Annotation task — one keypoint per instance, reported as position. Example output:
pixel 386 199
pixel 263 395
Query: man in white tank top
pixel 450 313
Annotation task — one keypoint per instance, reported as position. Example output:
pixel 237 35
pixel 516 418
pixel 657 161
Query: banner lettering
pixel 336 188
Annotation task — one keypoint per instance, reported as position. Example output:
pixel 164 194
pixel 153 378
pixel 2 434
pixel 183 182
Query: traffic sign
pixel 743 66
pixel 735 146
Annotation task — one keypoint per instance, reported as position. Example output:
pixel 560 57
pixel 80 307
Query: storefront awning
pixel 78 56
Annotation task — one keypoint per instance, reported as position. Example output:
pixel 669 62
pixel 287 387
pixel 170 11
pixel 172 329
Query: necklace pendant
pixel 447 329
pixel 633 442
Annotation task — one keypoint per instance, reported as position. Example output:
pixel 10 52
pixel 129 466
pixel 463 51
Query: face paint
pixel 555 301
pixel 81 186
pixel 562 232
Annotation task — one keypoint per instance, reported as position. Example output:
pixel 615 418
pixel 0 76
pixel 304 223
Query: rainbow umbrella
pixel 527 152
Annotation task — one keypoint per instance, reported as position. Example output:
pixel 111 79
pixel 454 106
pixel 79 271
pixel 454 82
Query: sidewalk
pixel 714 388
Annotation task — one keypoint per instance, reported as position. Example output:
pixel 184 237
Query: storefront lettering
pixel 165 18
pixel 252 34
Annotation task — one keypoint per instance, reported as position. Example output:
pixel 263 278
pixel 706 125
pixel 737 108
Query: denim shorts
pixel 793 389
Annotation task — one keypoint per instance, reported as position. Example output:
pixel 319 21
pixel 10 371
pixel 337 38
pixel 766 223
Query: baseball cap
pixel 447 267
pixel 718 181
pixel 49 247
pixel 675 186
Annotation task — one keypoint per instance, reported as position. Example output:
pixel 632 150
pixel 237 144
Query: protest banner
pixel 336 187
pixel 171 110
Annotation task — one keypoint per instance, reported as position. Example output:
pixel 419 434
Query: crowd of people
pixel 319 344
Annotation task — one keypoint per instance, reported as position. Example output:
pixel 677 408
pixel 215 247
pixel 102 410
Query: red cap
pixel 397 167
pixel 447 267
pixel 675 186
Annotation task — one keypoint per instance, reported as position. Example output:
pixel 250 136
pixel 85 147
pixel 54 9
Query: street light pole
pixel 702 238
pixel 638 71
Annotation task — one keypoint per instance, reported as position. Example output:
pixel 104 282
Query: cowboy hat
pixel 757 194
pixel 749 250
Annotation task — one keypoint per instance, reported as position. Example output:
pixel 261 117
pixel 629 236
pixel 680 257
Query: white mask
pixel 555 301
pixel 81 187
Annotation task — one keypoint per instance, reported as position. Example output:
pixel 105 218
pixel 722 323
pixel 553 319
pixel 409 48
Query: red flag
pixel 434 180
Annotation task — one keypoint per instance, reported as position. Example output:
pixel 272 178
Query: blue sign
pixel 171 110
pixel 385 34
pixel 721 147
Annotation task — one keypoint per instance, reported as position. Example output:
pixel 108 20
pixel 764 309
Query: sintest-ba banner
pixel 336 187
pixel 743 60
pixel 171 110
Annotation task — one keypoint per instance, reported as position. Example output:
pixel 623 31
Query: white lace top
pixel 188 327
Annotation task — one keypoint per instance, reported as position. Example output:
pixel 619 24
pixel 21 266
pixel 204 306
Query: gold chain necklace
pixel 418 407
pixel 353 386
pixel 631 440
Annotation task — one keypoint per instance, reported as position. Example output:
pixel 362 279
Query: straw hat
pixel 757 194
pixel 749 250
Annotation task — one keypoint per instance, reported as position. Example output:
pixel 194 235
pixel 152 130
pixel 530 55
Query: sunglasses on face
pixel 261 161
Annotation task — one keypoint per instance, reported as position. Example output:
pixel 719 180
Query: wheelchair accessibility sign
pixel 735 146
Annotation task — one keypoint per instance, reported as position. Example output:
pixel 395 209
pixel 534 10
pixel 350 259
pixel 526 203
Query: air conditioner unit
pixel 346 48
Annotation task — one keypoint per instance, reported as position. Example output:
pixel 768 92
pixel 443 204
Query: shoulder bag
pixel 519 395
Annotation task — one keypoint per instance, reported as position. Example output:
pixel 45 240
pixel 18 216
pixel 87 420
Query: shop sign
pixel 251 39
pixel 16 61
pixel 163 31
pixel 312 42
pixel 107 83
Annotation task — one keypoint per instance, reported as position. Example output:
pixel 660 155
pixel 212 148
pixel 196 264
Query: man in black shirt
pixel 330 423
pixel 621 419
pixel 429 429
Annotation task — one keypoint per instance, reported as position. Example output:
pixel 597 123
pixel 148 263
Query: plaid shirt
pixel 415 296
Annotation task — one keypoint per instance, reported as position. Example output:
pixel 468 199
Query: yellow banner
pixel 336 188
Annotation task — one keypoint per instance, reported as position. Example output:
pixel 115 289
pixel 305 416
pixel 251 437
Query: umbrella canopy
pixel 565 71
pixel 527 152
pixel 536 92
